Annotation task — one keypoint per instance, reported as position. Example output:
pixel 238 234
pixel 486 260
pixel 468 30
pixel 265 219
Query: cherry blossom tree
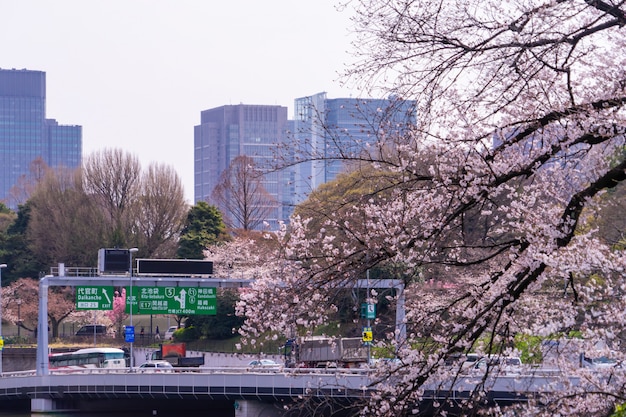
pixel 521 128
pixel 20 301
pixel 246 256
pixel 118 314
pixel 24 291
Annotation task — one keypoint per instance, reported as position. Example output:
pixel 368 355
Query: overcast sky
pixel 137 73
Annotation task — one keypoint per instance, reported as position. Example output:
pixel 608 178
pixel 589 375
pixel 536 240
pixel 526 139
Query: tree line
pixel 109 202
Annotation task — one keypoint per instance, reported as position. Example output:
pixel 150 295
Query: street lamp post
pixel 132 300
pixel 2 266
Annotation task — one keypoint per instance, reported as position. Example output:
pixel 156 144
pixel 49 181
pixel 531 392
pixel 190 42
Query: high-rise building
pixel 230 131
pixel 27 136
pixel 322 131
pixel 327 130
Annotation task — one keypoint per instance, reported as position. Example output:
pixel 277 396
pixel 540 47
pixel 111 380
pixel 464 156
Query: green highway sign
pixel 94 298
pixel 131 299
pixel 175 300
pixel 368 311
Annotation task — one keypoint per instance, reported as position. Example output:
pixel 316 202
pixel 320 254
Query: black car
pixel 91 329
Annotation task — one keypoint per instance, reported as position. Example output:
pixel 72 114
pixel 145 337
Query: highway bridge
pixel 250 392
pixel 241 392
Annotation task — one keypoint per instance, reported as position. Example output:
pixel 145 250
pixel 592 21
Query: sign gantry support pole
pixel 42 328
pixel 132 303
pixel 2 266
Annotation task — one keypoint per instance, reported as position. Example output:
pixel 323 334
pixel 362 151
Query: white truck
pixel 326 352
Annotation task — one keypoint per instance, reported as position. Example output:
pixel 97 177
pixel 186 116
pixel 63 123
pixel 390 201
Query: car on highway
pixel 91 330
pixel 156 366
pixel 386 362
pixel 169 333
pixel 598 363
pixel 465 361
pixel 264 364
pixel 502 364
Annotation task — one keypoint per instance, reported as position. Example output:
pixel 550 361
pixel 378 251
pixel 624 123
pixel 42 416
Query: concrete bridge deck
pixel 67 391
pixel 248 388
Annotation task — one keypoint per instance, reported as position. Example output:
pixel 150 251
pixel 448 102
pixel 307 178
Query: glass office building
pixel 230 131
pixel 329 129
pixel 27 136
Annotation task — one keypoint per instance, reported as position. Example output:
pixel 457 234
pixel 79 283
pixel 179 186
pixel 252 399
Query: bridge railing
pixel 239 370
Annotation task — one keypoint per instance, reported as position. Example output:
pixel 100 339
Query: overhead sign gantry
pixel 161 283
pixel 207 286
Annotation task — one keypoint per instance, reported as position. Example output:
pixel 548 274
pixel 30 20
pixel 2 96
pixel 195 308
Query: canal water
pixel 150 408
pixel 133 414
pixel 139 413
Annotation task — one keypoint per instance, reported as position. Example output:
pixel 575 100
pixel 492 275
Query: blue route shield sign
pixel 129 334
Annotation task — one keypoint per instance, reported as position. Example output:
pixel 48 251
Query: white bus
pixel 88 358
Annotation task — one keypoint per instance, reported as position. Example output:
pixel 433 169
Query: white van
pixel 169 333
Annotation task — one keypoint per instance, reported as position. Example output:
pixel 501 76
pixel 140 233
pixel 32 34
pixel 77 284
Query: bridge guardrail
pixel 205 370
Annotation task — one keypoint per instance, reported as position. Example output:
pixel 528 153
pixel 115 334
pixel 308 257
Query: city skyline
pixel 261 131
pixel 136 75
pixel 253 124
pixel 255 131
pixel 28 135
